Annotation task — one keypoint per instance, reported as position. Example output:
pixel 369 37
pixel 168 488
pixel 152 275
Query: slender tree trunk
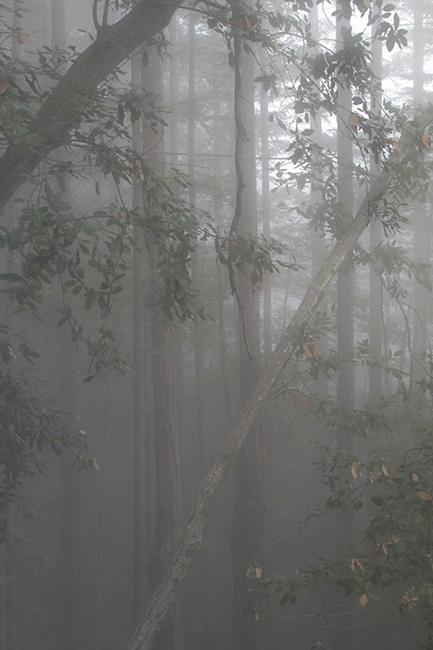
pixel 346 377
pixel 167 471
pixel 101 524
pixel 70 521
pixel 421 221
pixel 266 217
pixel 248 514
pixel 70 531
pixel 198 325
pixel 10 595
pixel 174 159
pixel 346 374
pixel 375 296
pixel 318 249
pixel 139 365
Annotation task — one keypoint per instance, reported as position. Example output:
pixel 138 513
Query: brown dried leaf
pixel 259 571
pixel 356 470
pixel 250 571
pixel 426 141
pixel 415 478
pixel 316 351
pixel 363 600
pixel 306 350
pixel 424 496
pixel 97 189
pixel 356 565
pixel 21 37
pixel 396 146
pixel 139 170
pixel 384 470
pixel 257 616
pixel 4 85
pixel 354 122
pixel 371 477
pixel 260 283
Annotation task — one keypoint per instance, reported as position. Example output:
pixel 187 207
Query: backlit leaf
pixel 424 496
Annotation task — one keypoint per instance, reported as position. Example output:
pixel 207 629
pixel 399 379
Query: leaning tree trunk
pixel 191 538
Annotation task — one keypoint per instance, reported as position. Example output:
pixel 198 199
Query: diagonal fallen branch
pixel 191 538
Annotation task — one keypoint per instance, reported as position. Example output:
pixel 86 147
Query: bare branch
pixel 95 16
pixel 105 15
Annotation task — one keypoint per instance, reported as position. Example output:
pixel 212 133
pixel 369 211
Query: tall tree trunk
pixel 375 296
pixel 346 372
pixel 167 471
pixel 248 513
pixel 101 524
pixel 422 223
pixel 345 388
pixel 198 325
pixel 318 249
pixel 266 218
pixel 139 366
pixel 70 521
pixel 70 527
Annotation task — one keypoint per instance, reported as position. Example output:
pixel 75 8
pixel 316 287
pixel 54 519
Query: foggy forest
pixel 216 364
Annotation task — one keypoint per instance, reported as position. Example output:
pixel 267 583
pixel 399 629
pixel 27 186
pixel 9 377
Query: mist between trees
pixel 216 369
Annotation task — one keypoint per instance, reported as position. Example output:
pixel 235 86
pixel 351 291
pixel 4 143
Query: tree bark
pixel 168 506
pixel 375 294
pixel 191 538
pixel 65 104
pixel 248 513
pixel 139 361
pixel 421 226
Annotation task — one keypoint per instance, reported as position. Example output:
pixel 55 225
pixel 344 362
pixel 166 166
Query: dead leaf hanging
pixel 354 122
pixel 363 600
pixel 424 496
pixel 356 470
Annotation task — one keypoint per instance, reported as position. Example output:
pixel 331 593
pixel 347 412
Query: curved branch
pixel 95 16
pixel 105 14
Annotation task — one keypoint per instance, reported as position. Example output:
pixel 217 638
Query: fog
pixel 216 370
